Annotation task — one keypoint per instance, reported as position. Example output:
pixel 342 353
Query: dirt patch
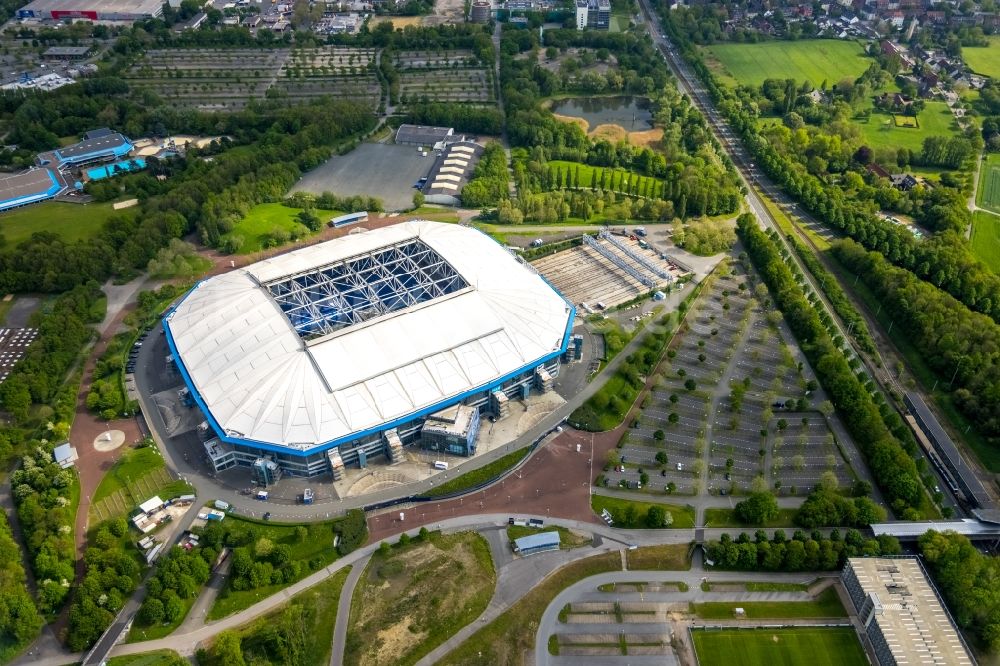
pixel 646 139
pixel 402 21
pixel 416 596
pixel 584 125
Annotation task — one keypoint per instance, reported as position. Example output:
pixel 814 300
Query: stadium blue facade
pixel 358 447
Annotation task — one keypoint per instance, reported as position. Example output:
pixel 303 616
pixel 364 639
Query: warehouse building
pixel 93 10
pixel 423 135
pixel 904 619
pixel 339 352
pixel 452 170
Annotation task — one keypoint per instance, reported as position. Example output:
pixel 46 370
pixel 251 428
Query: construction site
pixel 609 269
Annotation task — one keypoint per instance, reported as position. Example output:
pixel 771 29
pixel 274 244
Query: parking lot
pixel 372 169
pixel 733 408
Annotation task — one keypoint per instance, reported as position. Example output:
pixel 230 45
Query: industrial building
pixel 423 135
pixel 481 11
pixel 452 170
pixel 903 617
pixel 93 10
pixel 595 14
pixel 339 352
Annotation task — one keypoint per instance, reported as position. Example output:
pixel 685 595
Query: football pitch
pixel 986 238
pixel 988 195
pixel 835 646
pixel 813 60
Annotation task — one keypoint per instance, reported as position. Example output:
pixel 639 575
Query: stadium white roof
pixel 281 353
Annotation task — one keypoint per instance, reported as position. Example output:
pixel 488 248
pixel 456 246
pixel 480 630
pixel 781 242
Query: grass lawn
pixel 567 538
pixel 478 476
pixel 414 598
pixel 436 213
pixel 668 557
pixel 880 130
pixel 503 641
pixel 264 218
pixel 986 237
pixel 154 658
pixel 619 508
pixel 130 467
pixel 71 222
pixel 988 194
pixel 827 604
pixel 727 518
pixel 312 613
pixel 984 60
pixel 813 60
pixel 836 646
pixel 315 553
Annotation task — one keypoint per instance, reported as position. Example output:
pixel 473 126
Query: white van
pixel 440 464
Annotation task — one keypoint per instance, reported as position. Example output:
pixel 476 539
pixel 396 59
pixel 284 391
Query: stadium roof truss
pixel 356 289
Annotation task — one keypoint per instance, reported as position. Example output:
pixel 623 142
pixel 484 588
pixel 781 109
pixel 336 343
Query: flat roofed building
pixel 331 346
pixel 452 430
pixel 422 135
pixel 65 455
pixel 29 187
pixel 904 618
pixel 93 10
pixel 98 146
pixel 537 543
pixel 67 52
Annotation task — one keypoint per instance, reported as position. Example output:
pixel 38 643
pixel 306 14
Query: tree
pixel 690 384
pixel 151 612
pixel 227 649
pixel 661 457
pixel 655 517
pixel 828 481
pixel 757 509
pixel 671 487
pixel 659 435
pixel 418 199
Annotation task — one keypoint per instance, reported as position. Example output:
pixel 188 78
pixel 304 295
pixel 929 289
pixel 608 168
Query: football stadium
pixel 335 353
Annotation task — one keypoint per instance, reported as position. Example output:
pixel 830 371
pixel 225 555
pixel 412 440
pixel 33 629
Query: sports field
pixel 986 238
pixel 813 60
pixel 836 646
pixel 71 222
pixel 880 129
pixel 984 60
pixel 988 195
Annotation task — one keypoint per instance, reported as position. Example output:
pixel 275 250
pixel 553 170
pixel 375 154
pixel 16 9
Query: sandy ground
pixel 615 133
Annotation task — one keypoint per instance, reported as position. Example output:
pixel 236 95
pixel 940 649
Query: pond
pixel 631 113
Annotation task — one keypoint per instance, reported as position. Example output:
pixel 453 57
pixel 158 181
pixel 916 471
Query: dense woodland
pixel 968 581
pixel 879 432
pixel 954 341
pixel 19 618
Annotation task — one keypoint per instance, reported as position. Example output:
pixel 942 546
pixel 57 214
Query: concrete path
pixel 199 611
pixel 344 611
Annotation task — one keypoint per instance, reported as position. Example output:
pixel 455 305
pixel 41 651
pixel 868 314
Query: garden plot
pixel 220 79
pixel 443 76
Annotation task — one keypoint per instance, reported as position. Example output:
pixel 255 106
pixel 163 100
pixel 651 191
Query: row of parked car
pixel 133 355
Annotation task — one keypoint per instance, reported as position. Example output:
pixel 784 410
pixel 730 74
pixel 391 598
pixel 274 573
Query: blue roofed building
pixel 537 543
pixel 99 145
pixel 28 187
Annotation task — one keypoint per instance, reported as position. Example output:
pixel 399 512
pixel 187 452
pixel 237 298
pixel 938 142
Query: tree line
pixel 19 618
pixel 878 431
pixel 803 552
pixel 961 346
